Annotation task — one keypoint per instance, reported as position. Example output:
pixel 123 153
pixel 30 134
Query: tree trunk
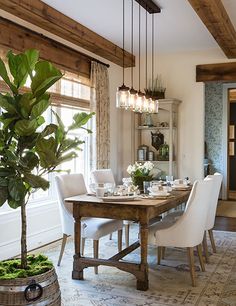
pixel 23 237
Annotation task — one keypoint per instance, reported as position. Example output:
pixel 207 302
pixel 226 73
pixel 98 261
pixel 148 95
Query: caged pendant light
pixel 122 94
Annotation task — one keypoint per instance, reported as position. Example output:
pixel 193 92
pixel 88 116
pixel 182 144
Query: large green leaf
pixel 69 144
pixel 80 119
pixel 40 106
pixel 6 172
pixel 26 127
pixel 3 182
pixel 59 121
pixel 16 189
pixel 3 195
pixel 4 75
pixel 36 181
pixel 32 56
pixel 48 130
pixel 5 104
pixel 46 149
pixel 26 103
pixel 22 65
pixel 45 76
pixel 29 160
pixel 66 158
pixel 14 204
pixel 27 142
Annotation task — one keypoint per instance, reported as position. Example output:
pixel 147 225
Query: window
pixel 69 96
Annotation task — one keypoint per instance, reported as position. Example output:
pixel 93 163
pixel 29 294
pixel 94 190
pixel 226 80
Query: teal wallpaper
pixel 214 125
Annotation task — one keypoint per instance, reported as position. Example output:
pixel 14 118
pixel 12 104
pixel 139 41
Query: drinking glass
pixel 169 180
pixel 146 185
pixel 110 188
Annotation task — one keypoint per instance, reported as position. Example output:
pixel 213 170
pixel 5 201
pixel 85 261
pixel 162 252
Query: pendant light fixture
pixel 148 100
pixel 154 106
pixel 129 98
pixel 140 95
pixel 122 94
pixel 132 92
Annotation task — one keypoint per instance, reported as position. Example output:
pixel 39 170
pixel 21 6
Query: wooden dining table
pixel 142 210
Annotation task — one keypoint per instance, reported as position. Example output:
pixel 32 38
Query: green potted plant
pixel 156 90
pixel 30 149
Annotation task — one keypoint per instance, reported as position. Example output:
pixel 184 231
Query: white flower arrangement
pixel 139 169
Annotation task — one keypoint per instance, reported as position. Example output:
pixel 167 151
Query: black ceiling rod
pixel 149 6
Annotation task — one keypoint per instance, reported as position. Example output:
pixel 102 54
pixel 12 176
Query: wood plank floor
pixel 225 224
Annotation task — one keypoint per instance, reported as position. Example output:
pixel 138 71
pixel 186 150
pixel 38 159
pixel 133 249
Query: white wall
pixel 44 226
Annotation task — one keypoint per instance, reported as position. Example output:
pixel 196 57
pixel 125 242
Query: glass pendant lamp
pixel 141 99
pixel 122 94
pixel 132 92
pixel 154 107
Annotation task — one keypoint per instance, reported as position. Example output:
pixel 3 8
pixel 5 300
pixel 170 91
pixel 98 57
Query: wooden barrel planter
pixel 40 290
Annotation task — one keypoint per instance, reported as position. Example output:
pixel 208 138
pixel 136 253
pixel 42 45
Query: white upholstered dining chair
pixel 212 203
pixel 69 185
pixel 103 176
pixel 188 230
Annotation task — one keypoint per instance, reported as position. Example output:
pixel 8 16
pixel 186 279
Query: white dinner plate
pixel 180 186
pixel 118 198
pixel 159 195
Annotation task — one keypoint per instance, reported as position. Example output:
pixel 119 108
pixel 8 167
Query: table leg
pixel 142 283
pixel 77 272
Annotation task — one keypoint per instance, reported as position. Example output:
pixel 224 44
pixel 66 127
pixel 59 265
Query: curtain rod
pixel 99 62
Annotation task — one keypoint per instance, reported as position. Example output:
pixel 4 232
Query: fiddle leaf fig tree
pixel 30 148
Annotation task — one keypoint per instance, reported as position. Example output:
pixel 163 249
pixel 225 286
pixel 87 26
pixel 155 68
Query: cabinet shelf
pixel 151 128
pixel 155 161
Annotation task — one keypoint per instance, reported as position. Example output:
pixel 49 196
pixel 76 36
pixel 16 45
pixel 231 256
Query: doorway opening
pixel 231 156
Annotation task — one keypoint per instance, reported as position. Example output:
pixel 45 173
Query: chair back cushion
pixel 217 181
pixel 68 185
pixel 189 229
pixel 103 176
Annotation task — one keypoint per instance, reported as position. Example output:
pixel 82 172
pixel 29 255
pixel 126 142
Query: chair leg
pixel 205 248
pixel 63 244
pixel 95 253
pixel 159 252
pixel 110 236
pixel 119 232
pixel 127 235
pixel 82 246
pixel 191 265
pixel 163 252
pixel 199 251
pixel 212 240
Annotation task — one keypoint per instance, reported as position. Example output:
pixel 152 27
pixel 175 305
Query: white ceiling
pixel 177 27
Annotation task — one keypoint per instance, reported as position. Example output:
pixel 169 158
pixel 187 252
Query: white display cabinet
pixel 151 129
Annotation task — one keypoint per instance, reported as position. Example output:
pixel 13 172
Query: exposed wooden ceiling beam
pixel 217 21
pixel 18 38
pixel 42 15
pixel 225 72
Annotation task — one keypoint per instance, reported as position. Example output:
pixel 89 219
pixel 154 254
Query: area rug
pixel 226 209
pixel 169 283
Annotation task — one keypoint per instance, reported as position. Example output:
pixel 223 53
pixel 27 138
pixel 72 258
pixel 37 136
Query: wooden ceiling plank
pixel 42 15
pixel 18 39
pixel 214 16
pixel 223 72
